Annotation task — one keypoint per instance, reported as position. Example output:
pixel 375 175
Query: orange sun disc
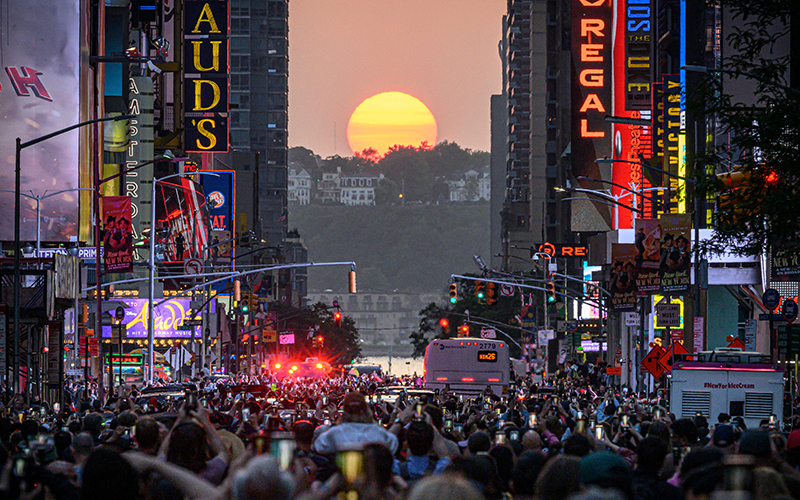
pixel 388 119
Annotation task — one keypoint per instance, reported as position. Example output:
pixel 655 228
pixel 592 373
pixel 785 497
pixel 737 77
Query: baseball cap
pixel 723 436
pixel 793 440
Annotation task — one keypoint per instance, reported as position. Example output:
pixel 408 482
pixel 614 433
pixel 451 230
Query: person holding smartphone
pixel 356 427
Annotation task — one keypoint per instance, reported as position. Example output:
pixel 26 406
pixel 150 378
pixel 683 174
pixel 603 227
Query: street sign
pixel 771 298
pixel 669 315
pixel 650 362
pixel 768 316
pixel 665 361
pixel 561 326
pixel 286 338
pixel 119 313
pixel 193 266
pixel 789 310
pixel 506 291
pixel 572 326
pixel 488 333
pixel 632 319
pixel 788 339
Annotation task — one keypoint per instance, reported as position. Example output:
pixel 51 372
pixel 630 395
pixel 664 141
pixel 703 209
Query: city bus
pixel 467 365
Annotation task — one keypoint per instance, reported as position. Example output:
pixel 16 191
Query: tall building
pixel 259 88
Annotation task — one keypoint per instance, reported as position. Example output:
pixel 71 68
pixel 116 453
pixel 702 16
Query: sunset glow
pixel 390 118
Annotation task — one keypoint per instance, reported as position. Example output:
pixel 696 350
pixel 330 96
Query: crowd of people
pixel 349 437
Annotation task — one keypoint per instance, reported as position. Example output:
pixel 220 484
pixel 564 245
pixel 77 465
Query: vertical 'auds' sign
pixel 205 66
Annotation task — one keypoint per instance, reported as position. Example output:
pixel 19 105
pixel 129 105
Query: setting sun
pixel 390 118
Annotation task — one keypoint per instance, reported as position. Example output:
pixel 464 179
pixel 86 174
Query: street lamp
pixel 152 265
pixel 17 208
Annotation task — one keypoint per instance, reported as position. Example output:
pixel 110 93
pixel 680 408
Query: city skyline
pixel 444 53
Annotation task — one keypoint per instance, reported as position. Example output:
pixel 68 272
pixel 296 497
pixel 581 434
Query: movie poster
pixel 648 256
pixel 623 276
pixel 117 234
pixel 676 253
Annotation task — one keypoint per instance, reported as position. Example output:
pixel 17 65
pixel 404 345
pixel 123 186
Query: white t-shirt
pixel 352 435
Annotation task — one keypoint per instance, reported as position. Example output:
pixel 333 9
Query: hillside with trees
pixel 412 248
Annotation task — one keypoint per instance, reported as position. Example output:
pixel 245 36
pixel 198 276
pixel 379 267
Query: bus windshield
pixel 467 366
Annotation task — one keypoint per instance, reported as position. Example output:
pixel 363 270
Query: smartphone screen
pixel 532 421
pixel 245 414
pixel 500 438
pixel 418 409
pixel 513 435
pixel 448 423
pixel 599 432
pixel 626 419
pixel 282 445
pixel 351 464
pixel 580 426
pixel 324 400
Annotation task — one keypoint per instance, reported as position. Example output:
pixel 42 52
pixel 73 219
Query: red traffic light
pixel 337 317
pixel 320 339
pixel 444 323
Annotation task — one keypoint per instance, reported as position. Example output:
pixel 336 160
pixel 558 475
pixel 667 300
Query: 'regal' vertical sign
pixel 592 39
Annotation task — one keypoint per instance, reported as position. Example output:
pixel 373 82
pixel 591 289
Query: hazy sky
pixel 443 52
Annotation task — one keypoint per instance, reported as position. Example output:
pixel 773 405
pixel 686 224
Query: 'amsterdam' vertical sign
pixel 205 67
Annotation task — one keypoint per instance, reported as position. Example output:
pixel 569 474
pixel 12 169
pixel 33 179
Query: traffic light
pixel 743 189
pixel 320 341
pixel 491 293
pixel 551 292
pixel 337 317
pixel 453 293
pixel 480 290
pixel 84 315
pixel 463 330
pixel 245 304
pixel 445 324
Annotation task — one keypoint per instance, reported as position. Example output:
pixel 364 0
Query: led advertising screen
pixel 39 94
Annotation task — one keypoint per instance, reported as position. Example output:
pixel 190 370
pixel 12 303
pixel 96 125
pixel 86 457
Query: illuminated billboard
pixel 206 74
pixel 168 319
pixel 221 202
pixel 592 39
pixel 182 223
pixel 39 94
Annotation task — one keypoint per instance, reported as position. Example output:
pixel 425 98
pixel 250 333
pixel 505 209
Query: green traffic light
pixel 452 300
pixel 551 299
pixel 481 295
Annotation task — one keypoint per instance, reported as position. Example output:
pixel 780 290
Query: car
pixel 392 393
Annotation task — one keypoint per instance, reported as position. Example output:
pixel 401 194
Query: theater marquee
pixel 206 72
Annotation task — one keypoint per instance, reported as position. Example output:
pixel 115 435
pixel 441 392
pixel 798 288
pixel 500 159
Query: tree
pixel 762 209
pixel 387 192
pixel 307 160
pixel 501 316
pixel 341 343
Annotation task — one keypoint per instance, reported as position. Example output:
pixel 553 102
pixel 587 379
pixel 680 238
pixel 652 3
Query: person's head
pixel 607 471
pixel 558 479
pixel 651 453
pixel 504 459
pixel 724 418
pixel 756 442
pixel 445 487
pixel 82 446
pixel 378 462
pixel 107 475
pixel 355 409
pixel 724 438
pixel 531 441
pixel 481 470
pixel 578 445
pixel 148 435
pixel 419 437
pixel 262 478
pixel 793 448
pixel 188 447
pixel 684 432
pixel 303 432
pixel 661 431
pixel 525 473
pixel 479 442
pixel 92 424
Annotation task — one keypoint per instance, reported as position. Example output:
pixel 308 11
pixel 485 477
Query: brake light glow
pixel 468 379
pixel 441 379
pixel 277 365
pixel 719 368
pixel 494 380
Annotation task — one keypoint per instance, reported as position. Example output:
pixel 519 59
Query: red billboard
pixel 117 234
pixel 592 38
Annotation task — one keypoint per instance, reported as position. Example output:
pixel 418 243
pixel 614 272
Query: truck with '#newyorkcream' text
pixel 739 383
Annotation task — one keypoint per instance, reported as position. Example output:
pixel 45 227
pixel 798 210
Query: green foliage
pixel 341 343
pixel 413 170
pixel 409 248
pixel 764 133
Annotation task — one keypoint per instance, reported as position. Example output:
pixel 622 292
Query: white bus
pixel 467 365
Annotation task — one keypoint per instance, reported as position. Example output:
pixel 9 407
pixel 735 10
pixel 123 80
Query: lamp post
pixel 535 256
pixel 17 208
pixel 152 266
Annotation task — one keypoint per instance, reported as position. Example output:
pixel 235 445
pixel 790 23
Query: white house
pixel 299 191
pixel 359 189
